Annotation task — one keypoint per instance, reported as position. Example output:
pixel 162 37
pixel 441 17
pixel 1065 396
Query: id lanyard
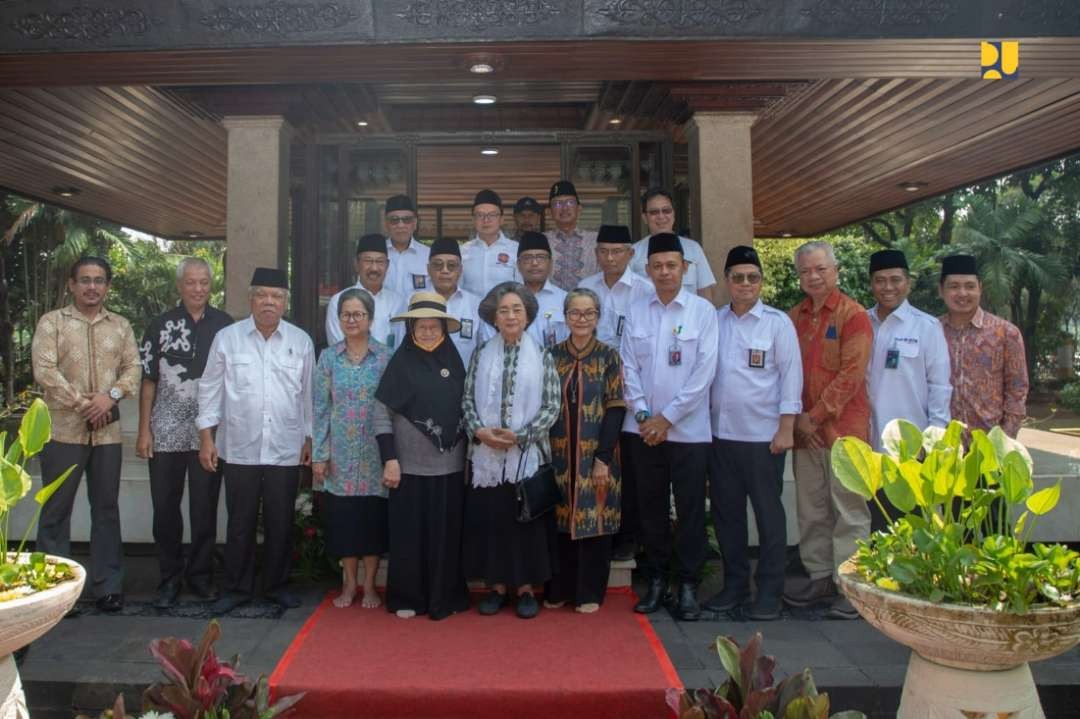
pixel 892 357
pixel 549 331
pixel 674 358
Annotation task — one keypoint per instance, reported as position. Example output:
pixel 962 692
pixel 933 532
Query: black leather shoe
pixel 228 603
pixel 203 589
pixel 527 606
pixel 111 603
pixel 688 609
pixel 492 603
pixel 284 598
pixel 726 600
pixel 654 597
pixel 764 609
pixel 167 594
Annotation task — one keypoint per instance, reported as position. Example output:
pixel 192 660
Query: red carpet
pixel 370 664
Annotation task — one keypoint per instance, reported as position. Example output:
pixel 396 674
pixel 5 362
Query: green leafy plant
pixel 310 561
pixel 1070 396
pixel 957 540
pixel 749 692
pixel 24 574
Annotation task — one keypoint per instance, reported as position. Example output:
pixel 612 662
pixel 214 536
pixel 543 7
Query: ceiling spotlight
pixel 785 234
pixel 911 186
pixel 489 151
pixel 481 68
pixel 65 191
pixel 192 234
pixel 482 63
pixel 361 123
pixel 484 99
pixel 614 121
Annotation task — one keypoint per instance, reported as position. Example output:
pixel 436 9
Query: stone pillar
pixel 257 227
pixel 720 180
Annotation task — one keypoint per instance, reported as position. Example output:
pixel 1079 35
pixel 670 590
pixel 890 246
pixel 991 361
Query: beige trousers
pixel 831 518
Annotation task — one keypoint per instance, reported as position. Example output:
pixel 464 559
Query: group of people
pixel 601 357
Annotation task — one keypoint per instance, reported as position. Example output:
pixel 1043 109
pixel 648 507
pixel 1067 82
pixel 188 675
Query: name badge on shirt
pixel 466 329
pixel 549 332
pixel 674 356
pixel 620 325
pixel 756 358
pixel 503 258
pixel 419 282
pixel 892 359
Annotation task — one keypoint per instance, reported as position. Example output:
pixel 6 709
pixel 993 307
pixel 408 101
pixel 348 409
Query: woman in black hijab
pixel 423 452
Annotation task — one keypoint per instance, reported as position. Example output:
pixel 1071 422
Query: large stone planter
pixel 976 658
pixel 22 621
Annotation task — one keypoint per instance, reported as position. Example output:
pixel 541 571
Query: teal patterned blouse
pixel 344 428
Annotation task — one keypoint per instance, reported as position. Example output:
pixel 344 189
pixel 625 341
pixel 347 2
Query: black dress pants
pixel 737 471
pixel 630 448
pixel 167 472
pixel 679 468
pixel 246 488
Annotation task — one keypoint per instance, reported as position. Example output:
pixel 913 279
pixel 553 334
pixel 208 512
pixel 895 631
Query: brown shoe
pixel 812 592
pixel 842 609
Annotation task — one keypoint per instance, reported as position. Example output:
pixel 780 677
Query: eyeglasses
pixel 612 251
pixel 353 316
pixel 92 281
pixel 564 204
pixel 533 259
pixel 657 211
pixel 439 266
pixel 748 278
pixel 487 216
pixel 376 262
pixel 577 315
pixel 401 219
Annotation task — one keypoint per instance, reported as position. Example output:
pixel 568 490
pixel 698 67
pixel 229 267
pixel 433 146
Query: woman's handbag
pixel 538 493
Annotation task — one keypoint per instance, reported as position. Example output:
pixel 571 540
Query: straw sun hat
pixel 428 306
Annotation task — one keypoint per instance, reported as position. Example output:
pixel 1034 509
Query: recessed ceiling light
pixel 489 151
pixel 361 123
pixel 65 191
pixel 481 68
pixel 912 186
pixel 192 234
pixel 484 99
pixel 614 121
pixel 785 234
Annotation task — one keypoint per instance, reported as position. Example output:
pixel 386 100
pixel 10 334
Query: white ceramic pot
pixel 25 619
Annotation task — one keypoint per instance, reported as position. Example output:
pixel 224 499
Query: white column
pixel 258 203
pixel 721 183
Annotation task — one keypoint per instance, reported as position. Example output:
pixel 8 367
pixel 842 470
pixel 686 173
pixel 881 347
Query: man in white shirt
pixel 754 400
pixel 256 393
pixel 658 211
pixel 488 258
pixel 573 248
pixel 407 271
pixel 534 263
pixel 668 350
pixel 444 268
pixel 372 261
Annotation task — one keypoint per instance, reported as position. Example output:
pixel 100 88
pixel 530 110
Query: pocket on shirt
pixel 830 354
pixel 908 349
pixel 238 369
pixel 289 371
pixel 642 345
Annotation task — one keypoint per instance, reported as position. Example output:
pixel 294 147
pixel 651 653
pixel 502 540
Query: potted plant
pixel 35 590
pixel 954 577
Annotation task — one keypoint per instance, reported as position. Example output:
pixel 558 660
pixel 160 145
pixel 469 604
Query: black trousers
pixel 679 468
pixel 246 488
pixel 630 448
pixel 101 463
pixel 167 472
pixel 738 471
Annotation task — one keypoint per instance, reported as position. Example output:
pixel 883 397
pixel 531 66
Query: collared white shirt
pixel 698 274
pixel 680 391
pixel 549 328
pixel 257 392
pixel 484 266
pixel 387 304
pixel 407 272
pixel 918 388
pixel 615 302
pixel 758 374
pixel 464 306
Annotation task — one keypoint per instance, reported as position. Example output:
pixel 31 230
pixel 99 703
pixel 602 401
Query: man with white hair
pixel 174 352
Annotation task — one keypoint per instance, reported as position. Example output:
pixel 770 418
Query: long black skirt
pixel 354 526
pixel 584 565
pixel 501 550
pixel 425 573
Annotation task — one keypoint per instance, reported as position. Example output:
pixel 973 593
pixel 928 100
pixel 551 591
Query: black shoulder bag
pixel 538 493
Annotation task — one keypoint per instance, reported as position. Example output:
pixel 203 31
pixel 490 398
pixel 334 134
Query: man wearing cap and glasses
pixel 527 216
pixel 444 268
pixel 488 258
pixel 658 211
pixel 573 249
pixel 371 264
pixel 534 264
pixel 255 415
pixel 407 272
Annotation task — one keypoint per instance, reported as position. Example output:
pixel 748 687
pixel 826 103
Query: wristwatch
pixel 642 415
pixel 116 394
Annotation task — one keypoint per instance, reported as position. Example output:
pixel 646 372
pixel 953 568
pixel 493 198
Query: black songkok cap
pixel 397 203
pixel 445 246
pixel 371 243
pixel 528 204
pixel 958 265
pixel 487 197
pixel 664 242
pixel 614 235
pixel 562 187
pixel 270 277
pixel 887 260
pixel 533 241
pixel 742 255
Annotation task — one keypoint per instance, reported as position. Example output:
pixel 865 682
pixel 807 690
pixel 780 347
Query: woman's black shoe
pixel 492 603
pixel 527 606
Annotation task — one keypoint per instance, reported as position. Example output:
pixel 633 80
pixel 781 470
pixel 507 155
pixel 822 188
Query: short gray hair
pixel 355 293
pixel 189 262
pixel 253 288
pixel 490 303
pixel 581 292
pixel 814 246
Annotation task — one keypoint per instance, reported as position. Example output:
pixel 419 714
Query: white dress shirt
pixel 484 266
pixel 407 272
pixel 464 306
pixel 257 392
pixel 698 274
pixel 549 328
pixel 615 302
pixel 387 304
pixel 918 388
pixel 680 392
pixel 758 374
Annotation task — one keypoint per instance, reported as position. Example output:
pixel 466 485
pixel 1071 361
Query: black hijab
pixel 426 387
